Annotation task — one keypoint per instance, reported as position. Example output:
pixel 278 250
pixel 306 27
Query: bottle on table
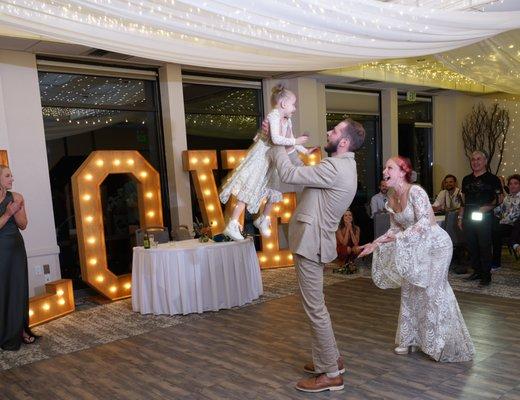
pixel 146 240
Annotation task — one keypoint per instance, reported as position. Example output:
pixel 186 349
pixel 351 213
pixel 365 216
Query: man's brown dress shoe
pixel 310 367
pixel 320 383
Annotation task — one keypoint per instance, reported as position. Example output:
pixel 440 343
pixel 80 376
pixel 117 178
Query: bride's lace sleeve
pixel 422 212
pixel 407 258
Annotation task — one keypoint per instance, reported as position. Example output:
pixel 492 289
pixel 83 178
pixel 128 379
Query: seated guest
pixel 449 197
pixel 378 201
pixel 347 238
pixel 507 213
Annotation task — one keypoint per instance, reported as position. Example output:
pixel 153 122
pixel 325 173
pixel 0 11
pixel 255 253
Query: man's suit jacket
pixel 329 189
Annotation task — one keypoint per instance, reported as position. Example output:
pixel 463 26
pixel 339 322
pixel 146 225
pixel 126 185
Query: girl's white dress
pixel 254 179
pixel 418 262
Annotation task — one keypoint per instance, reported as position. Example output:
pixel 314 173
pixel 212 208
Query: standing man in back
pixel 481 191
pixel 329 189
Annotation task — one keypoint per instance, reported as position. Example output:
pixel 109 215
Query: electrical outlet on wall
pixel 38 270
pixel 46 269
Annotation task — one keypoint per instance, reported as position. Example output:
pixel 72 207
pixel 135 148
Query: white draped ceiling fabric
pixel 269 35
pixel 493 62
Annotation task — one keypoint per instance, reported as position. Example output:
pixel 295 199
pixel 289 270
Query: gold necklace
pixel 399 196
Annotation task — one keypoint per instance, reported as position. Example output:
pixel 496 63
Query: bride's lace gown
pixel 418 262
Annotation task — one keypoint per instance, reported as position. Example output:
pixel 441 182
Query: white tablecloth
pixel 188 276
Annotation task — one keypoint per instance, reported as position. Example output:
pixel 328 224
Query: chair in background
pixel 181 232
pixel 381 223
pixel 160 234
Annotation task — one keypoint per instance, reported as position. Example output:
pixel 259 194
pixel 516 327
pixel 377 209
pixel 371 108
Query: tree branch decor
pixel 486 129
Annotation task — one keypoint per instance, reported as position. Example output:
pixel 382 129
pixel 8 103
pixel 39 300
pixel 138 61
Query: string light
pixel 93 262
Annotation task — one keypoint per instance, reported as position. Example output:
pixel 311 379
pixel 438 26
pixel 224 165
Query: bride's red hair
pixel 404 165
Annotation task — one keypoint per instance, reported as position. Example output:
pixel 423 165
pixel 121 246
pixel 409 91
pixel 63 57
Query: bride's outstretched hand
pixel 366 249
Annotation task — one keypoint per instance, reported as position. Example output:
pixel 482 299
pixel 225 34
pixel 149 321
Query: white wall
pixel 21 131
pixel 449 112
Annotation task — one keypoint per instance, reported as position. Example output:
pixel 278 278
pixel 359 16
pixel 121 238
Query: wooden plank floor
pixel 256 353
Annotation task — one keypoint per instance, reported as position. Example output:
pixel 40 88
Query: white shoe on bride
pixel 406 349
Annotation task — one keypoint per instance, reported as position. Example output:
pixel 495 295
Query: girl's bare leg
pixel 238 210
pixel 233 227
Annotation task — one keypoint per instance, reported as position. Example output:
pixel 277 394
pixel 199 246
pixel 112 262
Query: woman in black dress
pixel 14 290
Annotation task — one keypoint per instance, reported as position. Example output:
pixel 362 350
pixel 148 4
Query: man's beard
pixel 331 147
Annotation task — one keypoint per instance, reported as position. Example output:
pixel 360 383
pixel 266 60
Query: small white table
pixel 192 277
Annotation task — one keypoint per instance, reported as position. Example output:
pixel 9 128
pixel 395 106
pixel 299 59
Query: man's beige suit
pixel 329 189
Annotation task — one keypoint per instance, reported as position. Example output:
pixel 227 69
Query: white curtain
pixel 493 62
pixel 285 35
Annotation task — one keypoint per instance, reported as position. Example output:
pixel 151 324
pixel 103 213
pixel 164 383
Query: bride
pixel 415 254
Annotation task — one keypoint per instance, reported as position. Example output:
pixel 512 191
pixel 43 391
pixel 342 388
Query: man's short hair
pixel 481 152
pixel 514 176
pixel 355 133
pixel 450 176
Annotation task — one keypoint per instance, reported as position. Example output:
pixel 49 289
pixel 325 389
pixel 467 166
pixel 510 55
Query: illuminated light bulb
pixel 89 219
pixel 113 288
pixel 150 213
pixel 60 292
pixel 46 307
pixel 242 158
pixel 285 200
pixel 130 161
pixel 211 207
pixel 312 163
pixel 31 313
pixel 127 285
pixel 207 192
pixel 232 159
pixel 287 215
pixel 88 177
pixel 143 174
pixel 87 197
pixel 117 162
pixel 290 257
pixel 277 208
pixel 277 258
pixel 91 240
pixel 203 177
pixel 206 160
pixel 213 223
pixel 100 163
pixel 149 195
pixel 61 302
pixel 100 278
pixel 270 246
pixel 194 160
pixel 263 259
pixel 93 261
pixel 312 156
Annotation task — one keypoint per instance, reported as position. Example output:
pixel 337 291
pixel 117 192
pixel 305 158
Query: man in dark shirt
pixel 480 191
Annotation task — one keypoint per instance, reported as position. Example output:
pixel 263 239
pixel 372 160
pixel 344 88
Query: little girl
pixel 255 179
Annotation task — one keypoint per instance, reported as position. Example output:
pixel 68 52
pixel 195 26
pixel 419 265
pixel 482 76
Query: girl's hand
pixel 366 249
pixel 265 126
pixel 301 139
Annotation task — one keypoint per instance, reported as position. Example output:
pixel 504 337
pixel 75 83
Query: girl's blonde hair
pixel 278 93
pixel 2 167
